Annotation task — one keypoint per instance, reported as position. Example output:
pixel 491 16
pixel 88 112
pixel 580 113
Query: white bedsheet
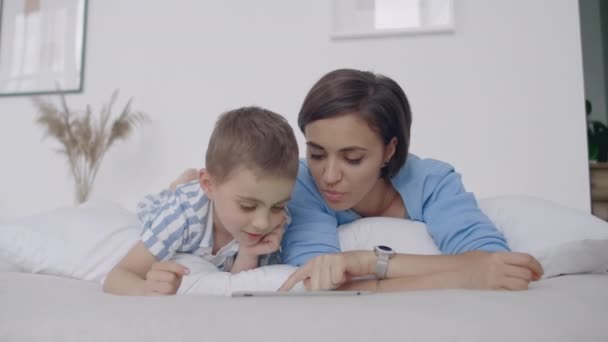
pixel 46 308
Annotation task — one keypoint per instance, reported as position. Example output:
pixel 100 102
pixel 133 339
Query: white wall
pixel 593 58
pixel 501 99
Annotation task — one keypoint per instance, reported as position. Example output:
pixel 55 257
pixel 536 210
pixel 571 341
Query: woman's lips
pixel 333 196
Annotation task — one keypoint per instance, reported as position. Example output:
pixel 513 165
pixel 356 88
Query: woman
pixel 357 130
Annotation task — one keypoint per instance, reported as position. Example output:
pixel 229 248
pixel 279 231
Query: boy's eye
pixel 247 207
pixel 278 208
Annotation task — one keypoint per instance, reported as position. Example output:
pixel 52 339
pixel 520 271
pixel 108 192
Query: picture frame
pixel 42 46
pixel 381 18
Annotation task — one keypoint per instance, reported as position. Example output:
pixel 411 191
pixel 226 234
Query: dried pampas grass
pixel 85 139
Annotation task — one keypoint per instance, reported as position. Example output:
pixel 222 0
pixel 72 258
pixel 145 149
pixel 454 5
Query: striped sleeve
pixel 270 259
pixel 170 218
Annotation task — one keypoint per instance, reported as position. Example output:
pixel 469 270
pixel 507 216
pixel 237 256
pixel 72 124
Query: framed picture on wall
pixel 42 46
pixel 379 18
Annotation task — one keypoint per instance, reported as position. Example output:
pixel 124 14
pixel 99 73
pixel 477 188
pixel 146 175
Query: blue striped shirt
pixel 181 221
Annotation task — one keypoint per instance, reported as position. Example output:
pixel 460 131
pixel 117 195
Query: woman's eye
pixel 316 156
pixel 247 207
pixel 356 161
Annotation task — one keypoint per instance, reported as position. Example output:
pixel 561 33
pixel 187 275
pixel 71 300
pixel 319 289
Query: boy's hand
pixel 269 243
pixel 186 176
pixel 247 257
pixel 164 278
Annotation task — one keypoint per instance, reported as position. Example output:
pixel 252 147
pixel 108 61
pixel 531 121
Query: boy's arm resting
pixel 128 277
pixel 312 231
pixel 140 274
pixel 166 219
pixel 454 219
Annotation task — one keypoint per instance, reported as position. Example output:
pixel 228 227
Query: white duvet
pixel 48 308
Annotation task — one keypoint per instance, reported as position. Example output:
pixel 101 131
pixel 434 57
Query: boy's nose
pixel 261 223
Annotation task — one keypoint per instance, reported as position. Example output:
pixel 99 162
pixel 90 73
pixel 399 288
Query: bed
pixel 52 265
pixel 49 308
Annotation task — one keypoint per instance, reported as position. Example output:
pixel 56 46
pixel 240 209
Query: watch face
pixel 385 248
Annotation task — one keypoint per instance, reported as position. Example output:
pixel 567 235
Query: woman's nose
pixel 331 174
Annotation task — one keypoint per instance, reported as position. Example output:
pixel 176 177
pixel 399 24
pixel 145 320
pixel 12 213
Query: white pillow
pixel 404 236
pixel 580 256
pixel 85 242
pixel 564 240
pixel 78 242
pixel 531 224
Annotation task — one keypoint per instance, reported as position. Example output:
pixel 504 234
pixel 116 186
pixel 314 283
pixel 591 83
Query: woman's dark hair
pixel 375 98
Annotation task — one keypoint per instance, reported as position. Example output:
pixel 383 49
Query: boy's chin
pixel 246 241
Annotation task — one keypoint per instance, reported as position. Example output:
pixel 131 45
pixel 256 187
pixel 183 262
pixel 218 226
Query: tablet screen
pixel 297 294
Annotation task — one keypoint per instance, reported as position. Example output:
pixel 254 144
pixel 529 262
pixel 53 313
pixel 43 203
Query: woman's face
pixel 345 157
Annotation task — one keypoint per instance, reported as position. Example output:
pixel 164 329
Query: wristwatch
pixel 384 254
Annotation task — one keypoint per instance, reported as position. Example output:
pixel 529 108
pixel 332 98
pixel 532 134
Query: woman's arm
pixel 434 281
pixel 453 217
pixel 476 270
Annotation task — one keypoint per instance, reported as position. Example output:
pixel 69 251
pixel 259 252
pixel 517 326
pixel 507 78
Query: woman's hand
pixel 501 271
pixel 330 271
pixel 186 176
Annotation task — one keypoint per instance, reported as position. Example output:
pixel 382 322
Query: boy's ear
pixel 206 182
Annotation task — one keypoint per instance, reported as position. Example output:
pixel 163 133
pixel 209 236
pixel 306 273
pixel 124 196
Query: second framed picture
pixel 377 18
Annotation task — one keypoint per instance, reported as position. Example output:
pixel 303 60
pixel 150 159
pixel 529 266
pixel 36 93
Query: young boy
pixel 231 214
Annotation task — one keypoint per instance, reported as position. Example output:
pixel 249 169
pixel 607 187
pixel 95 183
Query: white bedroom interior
pixel 500 98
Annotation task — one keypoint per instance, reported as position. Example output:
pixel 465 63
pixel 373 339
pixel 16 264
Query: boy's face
pixel 246 205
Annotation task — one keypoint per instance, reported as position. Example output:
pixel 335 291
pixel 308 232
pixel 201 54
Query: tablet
pixel 298 293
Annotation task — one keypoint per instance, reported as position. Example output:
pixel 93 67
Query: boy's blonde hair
pixel 254 138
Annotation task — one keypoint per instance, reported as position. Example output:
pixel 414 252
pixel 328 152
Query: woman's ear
pixel 207 183
pixel 389 149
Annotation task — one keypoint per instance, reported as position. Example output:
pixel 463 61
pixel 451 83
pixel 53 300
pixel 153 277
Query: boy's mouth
pixel 253 236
